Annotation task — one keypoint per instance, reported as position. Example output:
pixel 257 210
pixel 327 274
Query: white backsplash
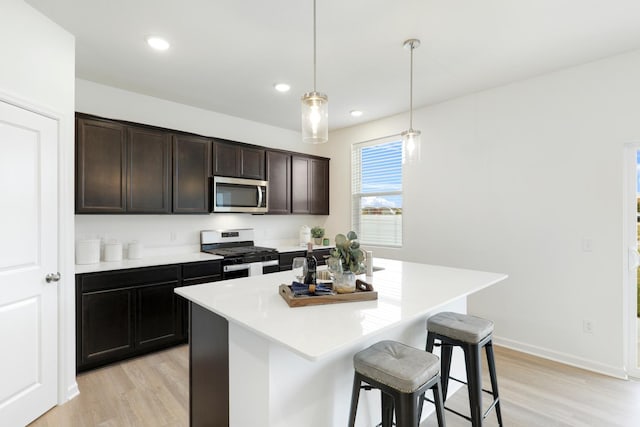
pixel 176 234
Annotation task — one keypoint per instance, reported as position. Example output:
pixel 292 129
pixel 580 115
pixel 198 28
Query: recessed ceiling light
pixel 355 113
pixel 282 87
pixel 158 43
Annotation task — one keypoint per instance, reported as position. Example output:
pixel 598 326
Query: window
pixel 377 192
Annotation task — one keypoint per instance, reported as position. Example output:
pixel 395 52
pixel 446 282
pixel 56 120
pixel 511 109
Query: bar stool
pixel 403 374
pixel 470 333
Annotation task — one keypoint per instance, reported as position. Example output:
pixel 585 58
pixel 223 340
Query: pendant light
pixel 315 108
pixel 411 137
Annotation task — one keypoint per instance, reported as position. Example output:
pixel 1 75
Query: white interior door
pixel 28 253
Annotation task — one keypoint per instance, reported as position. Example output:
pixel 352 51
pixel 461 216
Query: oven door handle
pixel 235 267
pixel 270 263
pixel 259 196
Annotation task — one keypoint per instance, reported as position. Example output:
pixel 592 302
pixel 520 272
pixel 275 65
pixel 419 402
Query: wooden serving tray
pixel 287 294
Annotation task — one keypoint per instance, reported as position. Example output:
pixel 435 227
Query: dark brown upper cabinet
pixel 191 171
pixel 236 160
pixel 279 177
pixel 148 171
pixel 319 176
pixel 300 170
pixel 122 169
pixel 309 185
pixel 101 167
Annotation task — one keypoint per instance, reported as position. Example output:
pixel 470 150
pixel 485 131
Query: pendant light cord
pixel 410 91
pixel 314 45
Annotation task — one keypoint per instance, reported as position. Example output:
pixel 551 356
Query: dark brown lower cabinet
pixel 125 313
pixel 159 315
pixel 107 323
pixel 286 259
pixel 321 255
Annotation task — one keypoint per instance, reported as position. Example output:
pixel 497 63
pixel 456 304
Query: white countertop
pixel 168 259
pixel 145 262
pixel 291 248
pixel 406 291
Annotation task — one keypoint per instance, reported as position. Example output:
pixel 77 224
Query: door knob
pixel 52 277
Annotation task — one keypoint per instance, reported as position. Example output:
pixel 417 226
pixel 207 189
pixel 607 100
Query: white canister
pixel 305 235
pixel 113 251
pixel 369 262
pixel 88 251
pixel 134 250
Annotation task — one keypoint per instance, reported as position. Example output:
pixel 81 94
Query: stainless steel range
pixel 241 257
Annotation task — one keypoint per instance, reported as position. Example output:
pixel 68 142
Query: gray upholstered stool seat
pixel 402 374
pixel 397 365
pixel 462 327
pixel 471 334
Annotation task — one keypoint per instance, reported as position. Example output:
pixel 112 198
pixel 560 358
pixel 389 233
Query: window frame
pixel 356 197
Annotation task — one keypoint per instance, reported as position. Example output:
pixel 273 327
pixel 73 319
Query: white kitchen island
pixel 254 361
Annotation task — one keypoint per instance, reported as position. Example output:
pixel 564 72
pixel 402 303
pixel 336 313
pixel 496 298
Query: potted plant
pixel 317 233
pixel 351 258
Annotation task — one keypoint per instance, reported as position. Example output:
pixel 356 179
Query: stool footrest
pixel 460 414
pixel 468 418
pixel 493 404
pixel 465 383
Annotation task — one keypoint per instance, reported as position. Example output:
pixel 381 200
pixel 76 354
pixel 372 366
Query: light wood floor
pixel 153 391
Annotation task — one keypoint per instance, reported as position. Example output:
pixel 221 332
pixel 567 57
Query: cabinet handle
pixel 52 277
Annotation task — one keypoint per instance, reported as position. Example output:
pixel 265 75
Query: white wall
pixel 37 72
pixel 178 233
pixel 513 180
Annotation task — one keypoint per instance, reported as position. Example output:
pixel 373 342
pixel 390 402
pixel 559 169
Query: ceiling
pixel 226 55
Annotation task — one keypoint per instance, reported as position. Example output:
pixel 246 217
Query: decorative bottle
pixel 312 263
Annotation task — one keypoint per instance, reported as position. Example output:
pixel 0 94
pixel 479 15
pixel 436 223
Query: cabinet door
pixel 191 171
pixel 106 326
pixel 279 177
pixel 286 259
pixel 158 316
pixel 251 163
pixel 226 159
pixel 321 255
pixel 148 172
pixel 195 273
pixel 100 167
pixel 237 161
pixel 319 186
pixel 300 185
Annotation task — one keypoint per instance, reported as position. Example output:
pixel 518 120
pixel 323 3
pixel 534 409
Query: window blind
pixel 377 191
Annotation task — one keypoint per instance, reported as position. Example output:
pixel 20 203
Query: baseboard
pixel 72 391
pixel 565 358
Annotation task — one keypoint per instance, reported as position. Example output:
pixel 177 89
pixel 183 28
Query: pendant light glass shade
pixel 315 105
pixel 410 146
pixel 315 118
pixel 411 137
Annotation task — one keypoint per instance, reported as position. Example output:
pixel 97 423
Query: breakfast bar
pixel 256 361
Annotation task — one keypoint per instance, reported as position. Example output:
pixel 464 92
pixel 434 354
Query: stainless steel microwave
pixel 238 195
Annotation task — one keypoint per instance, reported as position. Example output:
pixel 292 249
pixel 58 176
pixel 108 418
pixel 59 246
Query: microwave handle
pixel 259 196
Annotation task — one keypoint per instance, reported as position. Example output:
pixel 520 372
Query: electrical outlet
pixel 587 326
